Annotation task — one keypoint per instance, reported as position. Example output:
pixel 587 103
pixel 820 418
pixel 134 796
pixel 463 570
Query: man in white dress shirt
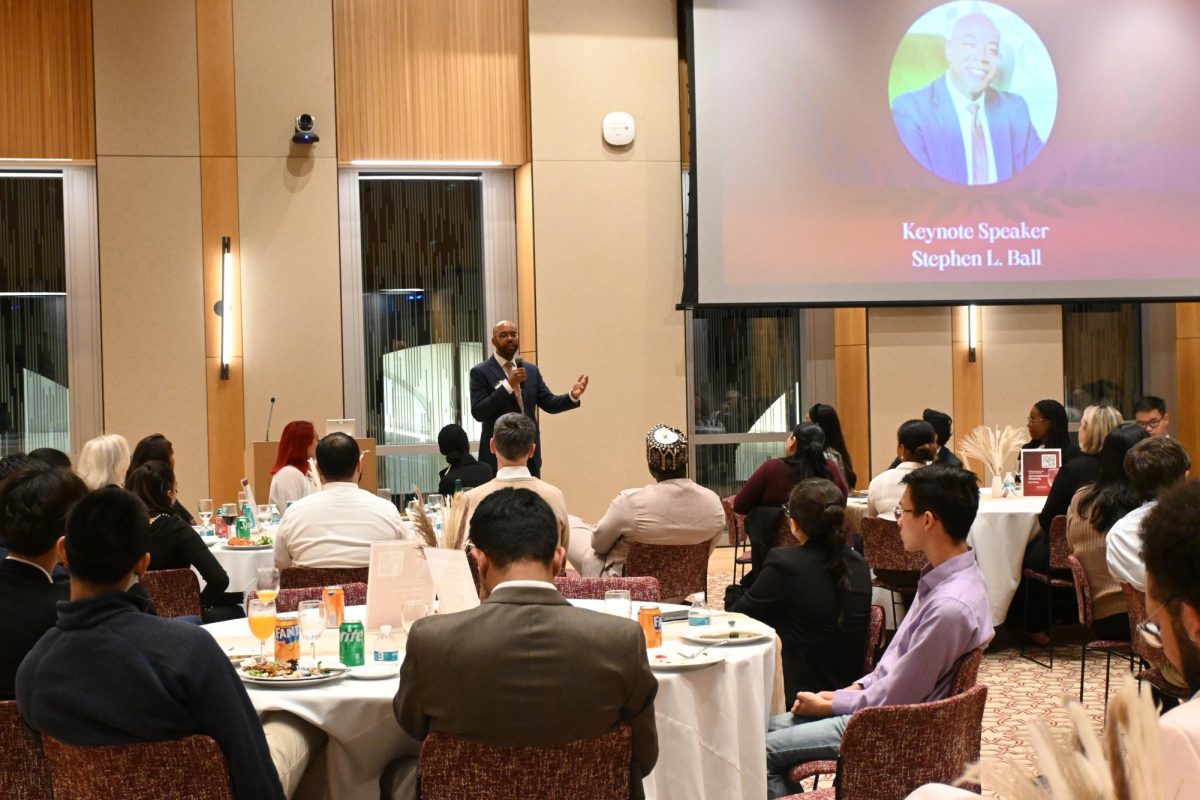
pixel 1153 465
pixel 335 526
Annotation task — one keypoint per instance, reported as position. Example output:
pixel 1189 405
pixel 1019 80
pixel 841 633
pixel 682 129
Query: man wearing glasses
pixel 1151 413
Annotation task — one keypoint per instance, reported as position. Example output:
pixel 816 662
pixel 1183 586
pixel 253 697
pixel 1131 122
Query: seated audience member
pixel 1093 511
pixel 456 449
pixel 674 510
pixel 826 417
pixel 1151 413
pixel 514 439
pixel 290 478
pixel 1153 466
pixel 949 619
pixel 520 644
pixel 762 496
pixel 34 502
pixel 941 428
pixel 51 457
pixel 175 545
pixel 109 675
pixel 916 446
pixel 8 465
pixel 816 596
pixel 104 461
pixel 1047 426
pixel 335 526
pixel 157 447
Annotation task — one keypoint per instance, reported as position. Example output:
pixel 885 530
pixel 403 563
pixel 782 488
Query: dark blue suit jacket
pixel 489 401
pixel 928 126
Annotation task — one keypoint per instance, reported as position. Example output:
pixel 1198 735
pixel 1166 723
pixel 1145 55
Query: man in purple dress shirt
pixel 948 619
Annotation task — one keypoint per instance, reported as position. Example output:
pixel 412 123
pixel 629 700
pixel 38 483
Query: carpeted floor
pixel 1018 690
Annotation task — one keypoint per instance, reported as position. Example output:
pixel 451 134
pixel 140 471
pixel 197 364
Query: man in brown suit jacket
pixel 526 667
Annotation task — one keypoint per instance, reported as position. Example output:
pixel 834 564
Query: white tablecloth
pixel 711 722
pixel 240 565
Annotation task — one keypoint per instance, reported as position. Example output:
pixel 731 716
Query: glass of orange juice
pixel 268 583
pixel 262 623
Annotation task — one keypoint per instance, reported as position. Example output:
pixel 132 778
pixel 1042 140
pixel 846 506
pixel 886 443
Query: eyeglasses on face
pixel 1150 631
pixel 1151 424
pixel 900 510
pixel 1036 420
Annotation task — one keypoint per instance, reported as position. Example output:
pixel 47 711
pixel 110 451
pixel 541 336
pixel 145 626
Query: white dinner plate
pixel 670 660
pixel 725 634
pixel 249 547
pixel 375 672
pixel 337 674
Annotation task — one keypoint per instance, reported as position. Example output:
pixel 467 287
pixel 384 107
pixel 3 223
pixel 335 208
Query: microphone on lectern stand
pixel 270 412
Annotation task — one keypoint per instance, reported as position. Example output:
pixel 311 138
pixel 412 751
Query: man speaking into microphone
pixel 505 383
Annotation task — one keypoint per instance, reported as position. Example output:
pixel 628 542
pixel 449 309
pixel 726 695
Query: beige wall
pixel 607 238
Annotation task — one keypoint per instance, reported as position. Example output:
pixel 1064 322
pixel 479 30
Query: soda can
pixel 287 637
pixel 335 606
pixel 351 643
pixel 243 528
pixel 650 618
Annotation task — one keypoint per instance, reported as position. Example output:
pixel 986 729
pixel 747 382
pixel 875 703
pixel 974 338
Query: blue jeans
pixel 792 740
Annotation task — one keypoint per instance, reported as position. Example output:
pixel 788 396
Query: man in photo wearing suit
pixel 961 128
pixel 525 668
pixel 501 384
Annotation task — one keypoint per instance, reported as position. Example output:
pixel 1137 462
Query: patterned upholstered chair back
pixel 289 599
pixel 874 637
pixel 783 536
pixel 890 751
pixel 575 587
pixel 681 569
pixel 968 672
pixel 1060 545
pixel 884 550
pixel 174 592
pixel 193 767
pixel 301 577
pixel 735 523
pixel 1135 601
pixel 1083 590
pixel 24 774
pixel 586 769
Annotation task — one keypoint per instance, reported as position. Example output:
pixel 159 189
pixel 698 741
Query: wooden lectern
pixel 260 457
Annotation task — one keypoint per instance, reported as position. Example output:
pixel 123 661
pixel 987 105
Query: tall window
pixel 34 397
pixel 1102 356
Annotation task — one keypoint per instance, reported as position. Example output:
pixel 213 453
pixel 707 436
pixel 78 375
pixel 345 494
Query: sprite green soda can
pixel 351 648
pixel 243 528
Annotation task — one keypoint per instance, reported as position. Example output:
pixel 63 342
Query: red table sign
pixel 1038 470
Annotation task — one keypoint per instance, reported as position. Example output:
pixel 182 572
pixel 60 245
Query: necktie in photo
pixel 979 158
pixel 509 369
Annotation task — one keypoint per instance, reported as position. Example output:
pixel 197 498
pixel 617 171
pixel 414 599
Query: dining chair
pixel 174 592
pixel 1052 578
pixel 887 557
pixel 24 774
pixel 575 587
pixel 300 577
pixel 585 769
pixel 193 767
pixel 735 528
pixel 874 638
pixel 1083 598
pixel 1152 658
pixel 681 569
pixel 288 600
pixel 890 751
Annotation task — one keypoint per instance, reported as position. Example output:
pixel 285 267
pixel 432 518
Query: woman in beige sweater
pixel 1094 509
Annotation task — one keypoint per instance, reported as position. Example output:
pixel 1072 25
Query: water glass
pixel 412 611
pixel 311 614
pixel 204 509
pixel 618 602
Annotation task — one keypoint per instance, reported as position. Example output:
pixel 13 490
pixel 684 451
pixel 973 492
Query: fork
pixel 700 650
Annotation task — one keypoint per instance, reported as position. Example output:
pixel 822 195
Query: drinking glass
pixel 205 509
pixel 267 583
pixel 261 617
pixel 412 611
pixel 434 502
pixel 618 602
pixel 229 514
pixel 264 516
pixel 312 622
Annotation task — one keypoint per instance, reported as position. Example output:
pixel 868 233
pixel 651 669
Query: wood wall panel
pixel 1185 418
pixel 47 43
pixel 968 376
pixel 214 61
pixel 526 288
pixel 852 400
pixel 438 80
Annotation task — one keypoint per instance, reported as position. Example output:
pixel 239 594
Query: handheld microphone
pixel 270 412
pixel 518 362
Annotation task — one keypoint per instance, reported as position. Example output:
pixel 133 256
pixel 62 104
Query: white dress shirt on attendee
pixel 289 484
pixel 1124 545
pixel 335 528
pixel 885 490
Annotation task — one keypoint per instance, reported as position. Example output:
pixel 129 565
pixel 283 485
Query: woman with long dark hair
pixel 816 596
pixel 826 416
pixel 1047 426
pixel 762 496
pixel 290 477
pixel 157 447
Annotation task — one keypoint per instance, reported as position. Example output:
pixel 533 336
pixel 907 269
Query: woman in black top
pixel 453 444
pixel 826 416
pixel 174 544
pixel 157 447
pixel 816 596
pixel 1047 426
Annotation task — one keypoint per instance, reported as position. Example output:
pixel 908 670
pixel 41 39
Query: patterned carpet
pixel 1018 690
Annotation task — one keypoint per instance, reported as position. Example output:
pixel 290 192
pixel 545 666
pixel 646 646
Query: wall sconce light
pixel 972 332
pixel 224 307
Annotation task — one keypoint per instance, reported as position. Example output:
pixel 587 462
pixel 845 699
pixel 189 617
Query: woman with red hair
pixel 290 476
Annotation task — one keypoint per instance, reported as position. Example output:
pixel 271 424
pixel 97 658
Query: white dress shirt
pixel 335 528
pixel 289 484
pixel 966 123
pixel 885 490
pixel 1124 545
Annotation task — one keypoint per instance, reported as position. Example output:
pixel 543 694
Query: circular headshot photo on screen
pixel 973 92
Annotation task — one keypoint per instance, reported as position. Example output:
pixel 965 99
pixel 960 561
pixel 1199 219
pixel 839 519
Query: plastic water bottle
pixel 698 614
pixel 1010 486
pixel 385 646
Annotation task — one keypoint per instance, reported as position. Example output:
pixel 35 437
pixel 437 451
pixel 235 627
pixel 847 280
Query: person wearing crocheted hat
pixel 672 510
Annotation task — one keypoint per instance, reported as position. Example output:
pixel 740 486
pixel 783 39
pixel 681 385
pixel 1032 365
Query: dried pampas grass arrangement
pixel 454 532
pixel 993 447
pixel 1121 765
pixel 421 521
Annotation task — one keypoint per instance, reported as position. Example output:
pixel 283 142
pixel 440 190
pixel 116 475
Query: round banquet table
pixel 240 564
pixel 711 721
pixel 1002 529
